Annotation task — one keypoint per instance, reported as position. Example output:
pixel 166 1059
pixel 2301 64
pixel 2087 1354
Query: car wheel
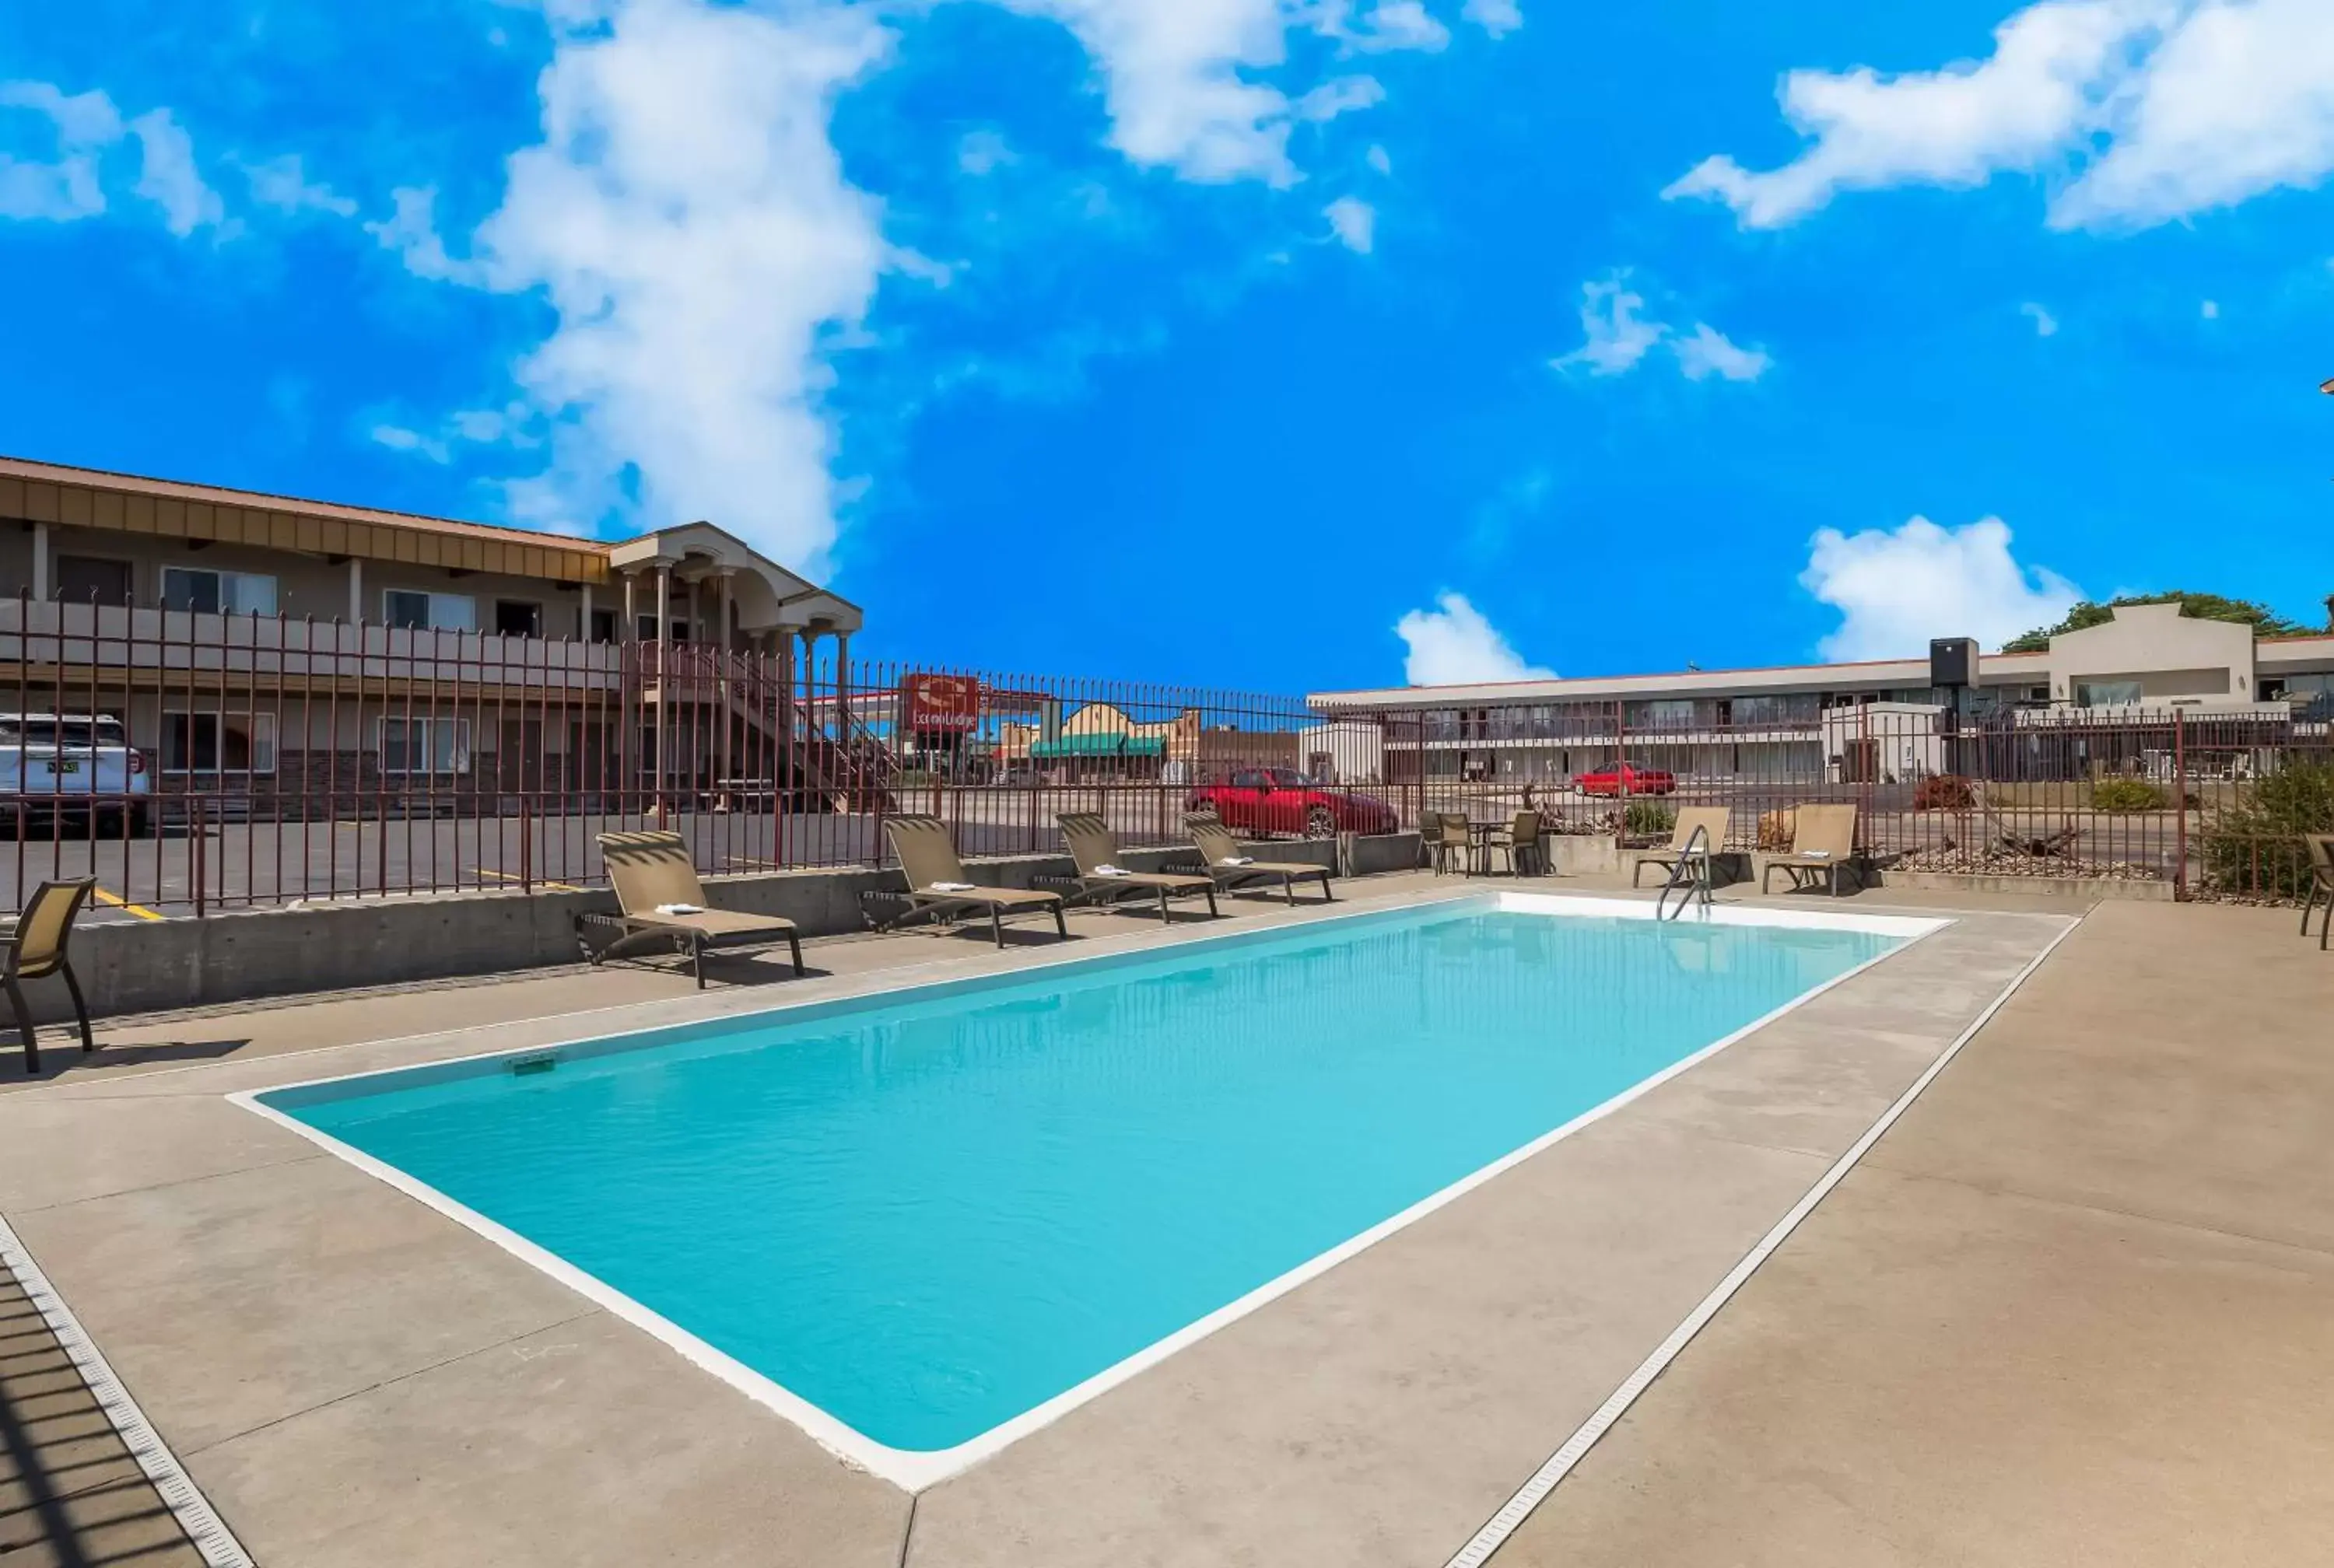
pixel 1320 822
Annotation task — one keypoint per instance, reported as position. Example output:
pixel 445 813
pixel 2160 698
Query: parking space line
pixel 115 900
pixel 505 876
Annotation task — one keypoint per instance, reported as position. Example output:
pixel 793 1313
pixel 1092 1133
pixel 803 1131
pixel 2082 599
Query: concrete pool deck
pixel 340 1369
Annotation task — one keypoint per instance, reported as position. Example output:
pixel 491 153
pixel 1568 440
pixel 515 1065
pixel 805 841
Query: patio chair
pixel 1456 838
pixel 1234 870
pixel 937 887
pixel 1519 843
pixel 2321 880
pixel 1823 842
pixel 1713 821
pixel 665 908
pixel 1430 838
pixel 1101 879
pixel 36 949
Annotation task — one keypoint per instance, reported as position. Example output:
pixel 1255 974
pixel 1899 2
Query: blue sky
pixel 1270 344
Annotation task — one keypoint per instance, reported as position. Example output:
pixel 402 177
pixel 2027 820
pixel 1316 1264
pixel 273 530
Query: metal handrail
pixel 1683 873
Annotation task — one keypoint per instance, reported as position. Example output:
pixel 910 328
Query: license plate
pixel 64 767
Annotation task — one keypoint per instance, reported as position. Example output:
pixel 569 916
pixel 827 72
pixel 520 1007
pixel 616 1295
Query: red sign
pixel 941 701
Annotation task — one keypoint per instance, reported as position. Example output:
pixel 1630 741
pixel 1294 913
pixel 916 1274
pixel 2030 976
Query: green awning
pixel 1071 745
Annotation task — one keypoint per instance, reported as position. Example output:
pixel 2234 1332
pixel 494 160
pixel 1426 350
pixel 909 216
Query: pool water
pixel 927 1213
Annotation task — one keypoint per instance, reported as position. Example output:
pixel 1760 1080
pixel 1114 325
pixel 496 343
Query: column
pixel 724 662
pixel 40 561
pixel 356 590
pixel 631 629
pixel 663 660
pixel 583 617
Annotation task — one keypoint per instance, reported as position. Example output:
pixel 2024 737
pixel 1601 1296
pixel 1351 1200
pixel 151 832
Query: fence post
pixel 202 835
pixel 2180 805
pixel 526 848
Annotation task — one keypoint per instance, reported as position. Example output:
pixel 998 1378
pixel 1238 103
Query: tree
pixel 2265 621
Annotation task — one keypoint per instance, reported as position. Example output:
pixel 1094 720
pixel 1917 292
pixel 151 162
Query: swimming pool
pixel 924 1222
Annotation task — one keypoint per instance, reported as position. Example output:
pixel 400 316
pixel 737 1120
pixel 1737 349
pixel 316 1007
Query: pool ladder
pixel 1688 877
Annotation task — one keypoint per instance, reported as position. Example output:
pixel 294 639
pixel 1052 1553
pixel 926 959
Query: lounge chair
pixel 36 949
pixel 1234 870
pixel 1823 842
pixel 937 887
pixel 1101 878
pixel 665 906
pixel 2322 881
pixel 1713 821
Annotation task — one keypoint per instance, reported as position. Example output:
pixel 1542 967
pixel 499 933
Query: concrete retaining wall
pixel 2083 890
pixel 146 967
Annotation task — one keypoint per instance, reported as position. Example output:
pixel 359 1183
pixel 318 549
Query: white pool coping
pixel 917 1471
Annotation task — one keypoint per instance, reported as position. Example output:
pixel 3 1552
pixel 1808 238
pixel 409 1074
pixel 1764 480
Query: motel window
pixel 212 742
pixel 517 618
pixel 2107 693
pixel 425 746
pixel 93 580
pixel 603 626
pixel 411 610
pixel 208 593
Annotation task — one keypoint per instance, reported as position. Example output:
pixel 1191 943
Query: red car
pixel 1280 800
pixel 1637 781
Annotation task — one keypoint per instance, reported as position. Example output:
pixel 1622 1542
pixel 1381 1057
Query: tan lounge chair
pixel 1520 841
pixel 1713 821
pixel 665 906
pixel 36 949
pixel 1234 870
pixel 937 887
pixel 1823 842
pixel 1094 846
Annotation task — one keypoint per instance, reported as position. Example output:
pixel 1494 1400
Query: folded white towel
pixel 678 909
pixel 952 887
pixel 1112 872
pixel 1815 854
pixel 1237 860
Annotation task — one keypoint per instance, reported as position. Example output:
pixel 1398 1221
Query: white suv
pixel 71 767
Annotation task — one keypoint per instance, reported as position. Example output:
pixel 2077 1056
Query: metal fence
pixel 2215 803
pixel 198 763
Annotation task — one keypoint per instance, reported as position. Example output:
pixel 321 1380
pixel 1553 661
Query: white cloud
pixel 412 231
pixel 1378 158
pixel 1710 352
pixel 1401 24
pixel 167 177
pixel 282 183
pixel 687 217
pixel 2210 310
pixel 2237 99
pixel 1175 80
pixel 1952 127
pixel 1617 336
pixel 1452 645
pixel 1896 589
pixel 65 187
pixel 1339 95
pixel 2046 325
pixel 1497 17
pixel 403 438
pixel 2159 108
pixel 1354 222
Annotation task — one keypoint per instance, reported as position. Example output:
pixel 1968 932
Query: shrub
pixel 2127 794
pixel 1943 791
pixel 1648 817
pixel 2256 846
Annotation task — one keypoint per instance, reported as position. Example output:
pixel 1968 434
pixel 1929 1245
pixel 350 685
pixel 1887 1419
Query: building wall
pixel 2173 658
pixel 312 587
